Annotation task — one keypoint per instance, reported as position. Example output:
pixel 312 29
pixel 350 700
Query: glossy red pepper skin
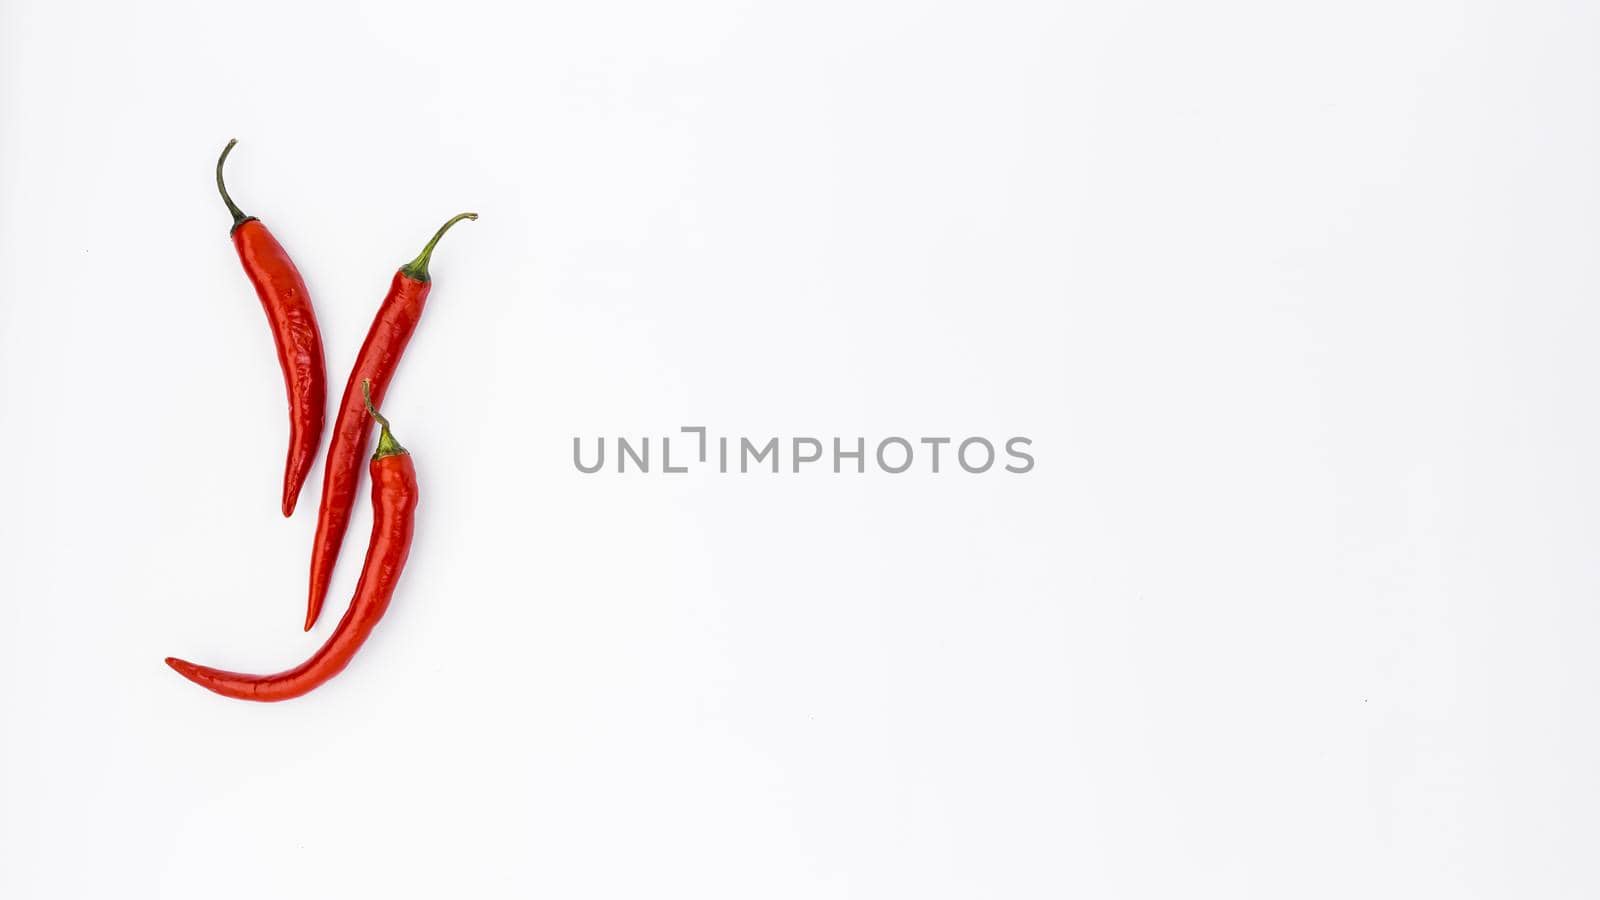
pixel 380 355
pixel 352 428
pixel 294 330
pixel 287 303
pixel 394 503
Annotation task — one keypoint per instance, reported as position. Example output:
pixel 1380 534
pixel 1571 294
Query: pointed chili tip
pixel 417 269
pixel 311 619
pixel 291 496
pixel 239 218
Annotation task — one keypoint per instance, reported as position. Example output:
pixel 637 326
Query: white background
pixel 1297 301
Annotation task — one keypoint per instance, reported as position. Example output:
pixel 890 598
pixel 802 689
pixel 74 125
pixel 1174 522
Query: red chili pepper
pixel 294 329
pixel 394 502
pixel 380 354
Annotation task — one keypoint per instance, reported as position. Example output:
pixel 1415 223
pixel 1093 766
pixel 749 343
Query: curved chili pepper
pixel 380 354
pixel 294 329
pixel 394 502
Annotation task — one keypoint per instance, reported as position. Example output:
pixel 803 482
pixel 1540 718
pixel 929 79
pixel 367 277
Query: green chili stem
pixel 387 445
pixel 417 269
pixel 239 218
